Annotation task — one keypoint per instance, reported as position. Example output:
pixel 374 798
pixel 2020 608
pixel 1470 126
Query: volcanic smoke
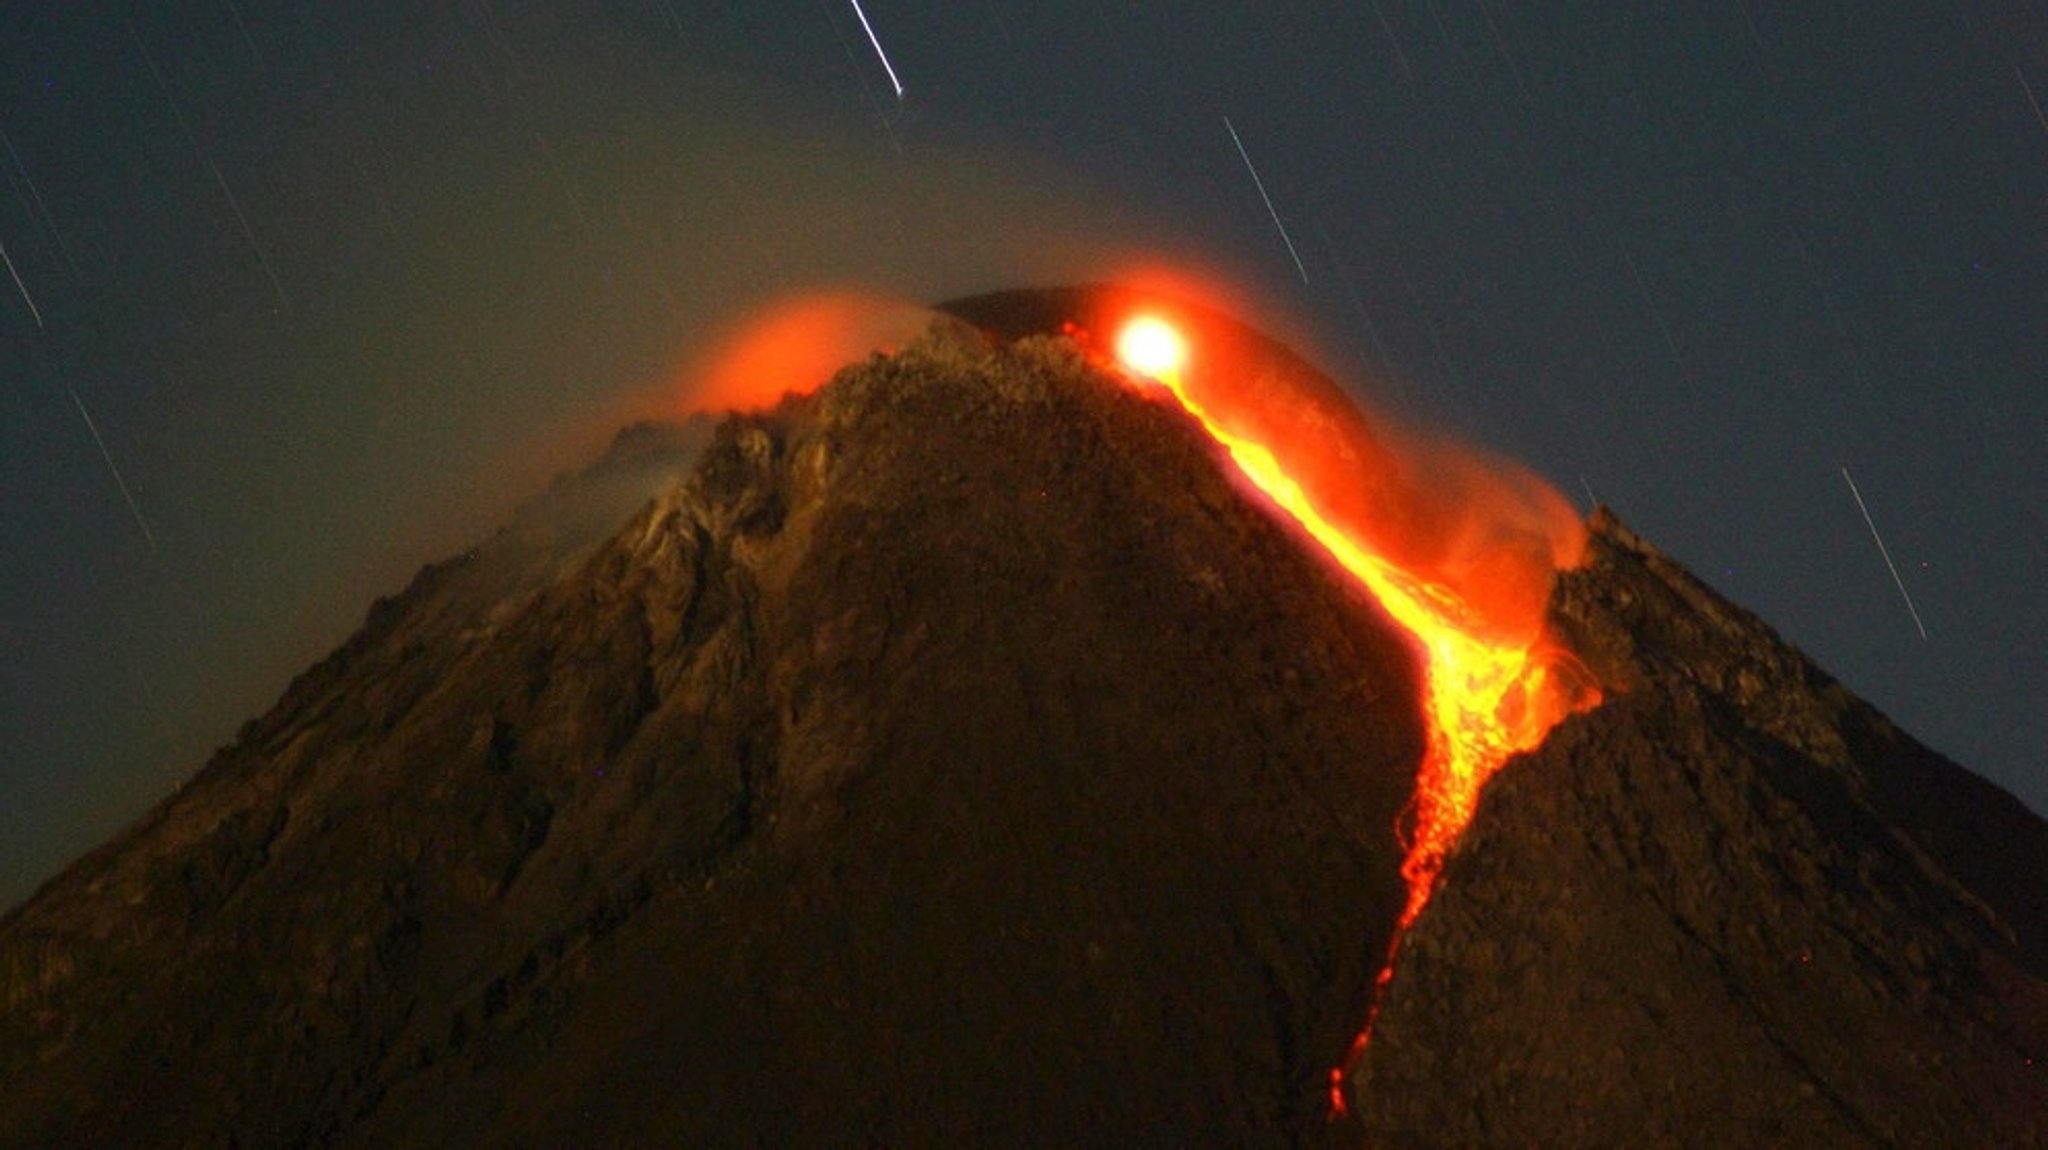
pixel 1459 550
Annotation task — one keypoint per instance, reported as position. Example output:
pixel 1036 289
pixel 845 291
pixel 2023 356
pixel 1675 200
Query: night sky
pixel 302 295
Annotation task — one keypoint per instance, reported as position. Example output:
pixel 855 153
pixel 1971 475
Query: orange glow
pixel 795 346
pixel 1464 567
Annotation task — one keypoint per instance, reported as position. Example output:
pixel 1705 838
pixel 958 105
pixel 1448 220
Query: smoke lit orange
pixel 796 345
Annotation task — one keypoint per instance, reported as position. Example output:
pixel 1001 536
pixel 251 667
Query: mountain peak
pixel 965 753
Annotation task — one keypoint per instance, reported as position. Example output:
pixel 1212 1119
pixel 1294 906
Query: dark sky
pixel 311 293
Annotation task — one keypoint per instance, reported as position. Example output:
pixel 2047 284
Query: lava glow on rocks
pixel 1491 688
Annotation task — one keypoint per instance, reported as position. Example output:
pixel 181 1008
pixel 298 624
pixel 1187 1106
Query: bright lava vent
pixel 1151 346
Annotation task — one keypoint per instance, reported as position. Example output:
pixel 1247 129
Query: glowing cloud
pixel 796 346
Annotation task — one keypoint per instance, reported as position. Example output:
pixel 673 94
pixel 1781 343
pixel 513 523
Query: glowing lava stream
pixel 1484 701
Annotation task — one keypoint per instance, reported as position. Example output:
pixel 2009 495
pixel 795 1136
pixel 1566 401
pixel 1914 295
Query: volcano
pixel 965 752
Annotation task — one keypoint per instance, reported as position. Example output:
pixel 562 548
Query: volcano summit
pixel 968 752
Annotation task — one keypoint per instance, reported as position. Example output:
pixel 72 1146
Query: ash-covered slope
pixel 957 757
pixel 1733 906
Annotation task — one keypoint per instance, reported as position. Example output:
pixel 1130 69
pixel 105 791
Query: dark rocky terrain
pixel 956 756
pixel 1733 906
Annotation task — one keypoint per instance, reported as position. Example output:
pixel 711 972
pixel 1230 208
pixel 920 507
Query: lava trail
pixel 1459 552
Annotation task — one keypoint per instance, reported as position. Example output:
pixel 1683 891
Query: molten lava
pixel 1492 685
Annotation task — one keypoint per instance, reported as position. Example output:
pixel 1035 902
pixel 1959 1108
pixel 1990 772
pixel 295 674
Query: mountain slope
pixel 1732 906
pixel 959 755
pixel 956 756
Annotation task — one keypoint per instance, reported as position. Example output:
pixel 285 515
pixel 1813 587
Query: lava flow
pixel 1492 685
